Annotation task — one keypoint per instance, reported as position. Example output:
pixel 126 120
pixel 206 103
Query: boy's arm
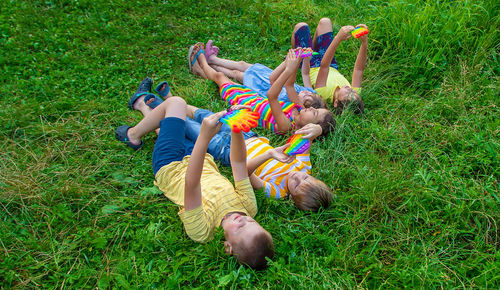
pixel 275 153
pixel 256 182
pixel 360 65
pixel 282 122
pixel 238 156
pixel 344 34
pixel 192 187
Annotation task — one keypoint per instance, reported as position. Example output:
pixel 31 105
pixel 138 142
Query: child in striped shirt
pixel 276 115
pixel 278 174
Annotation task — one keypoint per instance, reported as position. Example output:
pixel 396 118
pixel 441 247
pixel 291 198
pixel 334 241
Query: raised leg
pixel 171 107
pixel 324 26
pixel 297 27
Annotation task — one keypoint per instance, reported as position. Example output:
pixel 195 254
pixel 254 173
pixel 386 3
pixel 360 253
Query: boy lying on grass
pixel 322 71
pixel 269 168
pixel 206 199
pixel 274 115
pixel 259 78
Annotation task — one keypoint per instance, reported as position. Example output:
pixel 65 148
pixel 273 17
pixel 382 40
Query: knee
pixel 220 77
pixel 298 26
pixel 175 101
pixel 325 21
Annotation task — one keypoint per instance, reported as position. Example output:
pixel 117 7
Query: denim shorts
pixel 303 39
pixel 220 145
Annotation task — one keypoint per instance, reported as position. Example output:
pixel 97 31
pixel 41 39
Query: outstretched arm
pixel 343 34
pixel 277 72
pixel 293 96
pixel 306 67
pixel 238 156
pixel 192 188
pixel 360 65
pixel 282 122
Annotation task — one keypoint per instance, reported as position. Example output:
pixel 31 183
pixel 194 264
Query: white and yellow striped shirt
pixel 275 173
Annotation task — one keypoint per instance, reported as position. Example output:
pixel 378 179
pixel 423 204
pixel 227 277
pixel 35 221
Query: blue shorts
pixel 256 77
pixel 170 145
pixel 303 39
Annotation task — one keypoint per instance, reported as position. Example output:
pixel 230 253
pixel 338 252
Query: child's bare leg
pixel 171 107
pixel 190 111
pixel 234 74
pixel 324 26
pixel 241 66
pixel 201 66
pixel 297 27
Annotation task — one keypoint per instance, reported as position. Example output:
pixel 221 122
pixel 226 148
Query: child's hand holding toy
pixel 361 31
pixel 211 125
pixel 344 32
pixel 241 120
pixel 278 154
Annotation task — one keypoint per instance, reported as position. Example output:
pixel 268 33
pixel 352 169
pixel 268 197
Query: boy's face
pixel 239 228
pixel 345 95
pixel 295 180
pixel 310 115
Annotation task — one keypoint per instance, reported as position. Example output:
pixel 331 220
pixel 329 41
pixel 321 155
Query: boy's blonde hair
pixel 253 252
pixel 315 195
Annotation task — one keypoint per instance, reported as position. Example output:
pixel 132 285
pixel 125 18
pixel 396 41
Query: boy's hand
pixel 211 125
pixel 310 131
pixel 345 32
pixel 279 154
pixel 363 38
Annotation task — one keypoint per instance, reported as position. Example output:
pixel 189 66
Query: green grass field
pixel 415 178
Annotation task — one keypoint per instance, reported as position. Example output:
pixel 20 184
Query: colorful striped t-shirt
pixel 275 173
pixel 235 94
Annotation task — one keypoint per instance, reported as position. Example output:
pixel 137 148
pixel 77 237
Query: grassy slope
pixel 416 178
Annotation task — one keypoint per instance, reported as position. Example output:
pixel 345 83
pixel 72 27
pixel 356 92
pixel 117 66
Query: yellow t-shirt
pixel 275 173
pixel 335 80
pixel 219 197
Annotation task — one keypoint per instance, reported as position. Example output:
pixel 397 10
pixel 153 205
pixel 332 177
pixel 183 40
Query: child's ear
pixel 228 248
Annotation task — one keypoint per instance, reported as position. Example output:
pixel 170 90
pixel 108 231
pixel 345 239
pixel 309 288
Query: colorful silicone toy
pixel 306 52
pixel 241 120
pixel 297 145
pixel 359 31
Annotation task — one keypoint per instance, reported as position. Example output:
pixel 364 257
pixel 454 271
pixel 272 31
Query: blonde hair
pixel 315 195
pixel 253 253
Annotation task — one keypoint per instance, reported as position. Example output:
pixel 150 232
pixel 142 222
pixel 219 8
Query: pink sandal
pixel 211 49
